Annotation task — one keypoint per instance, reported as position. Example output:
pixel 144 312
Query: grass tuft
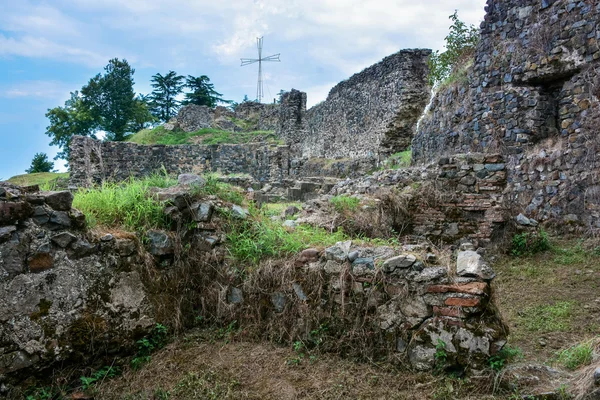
pixel 126 204
pixel 345 203
pixel 548 318
pixel 576 356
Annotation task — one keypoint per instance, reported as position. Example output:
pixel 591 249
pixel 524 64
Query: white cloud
pixel 36 89
pixel 40 47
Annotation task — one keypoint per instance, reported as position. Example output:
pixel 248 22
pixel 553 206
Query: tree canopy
pixel 40 163
pixel 203 92
pixel 106 103
pixel 166 88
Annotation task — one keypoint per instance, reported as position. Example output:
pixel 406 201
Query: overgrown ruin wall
pixel 373 112
pixel 532 96
pixel 93 161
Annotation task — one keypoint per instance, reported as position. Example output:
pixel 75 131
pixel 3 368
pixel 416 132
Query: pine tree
pixel 40 163
pixel 203 92
pixel 164 104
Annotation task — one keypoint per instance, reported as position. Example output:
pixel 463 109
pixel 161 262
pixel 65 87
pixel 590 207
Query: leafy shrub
pixel 504 356
pixel 576 356
pixel 441 356
pixel 147 345
pixel 344 203
pixel 460 46
pixel 528 243
pixel 99 376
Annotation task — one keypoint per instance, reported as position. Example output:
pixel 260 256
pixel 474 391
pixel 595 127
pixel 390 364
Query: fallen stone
pixel 467 246
pixel 63 239
pixel 160 243
pixel 290 223
pixel 523 220
pixel 597 376
pixel 308 255
pixel 59 201
pixel 202 212
pixel 401 261
pixel 339 251
pixel 191 180
pixel 471 264
pixel 107 238
pixel 238 212
pixel 235 296
pixel 353 255
pixel 175 196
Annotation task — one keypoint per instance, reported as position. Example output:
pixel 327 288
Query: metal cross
pixel 259 60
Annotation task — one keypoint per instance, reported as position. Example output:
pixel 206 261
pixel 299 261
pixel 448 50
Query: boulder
pixel 160 243
pixel 470 264
pixel 59 201
pixel 63 239
pixel 401 261
pixel 191 180
pixel 339 251
pixel 238 212
pixel 13 211
pixel 202 212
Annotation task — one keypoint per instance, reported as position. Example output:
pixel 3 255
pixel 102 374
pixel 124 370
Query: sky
pixel 50 48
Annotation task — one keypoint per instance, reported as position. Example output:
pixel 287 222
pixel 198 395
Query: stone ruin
pixel 68 295
pixel 515 144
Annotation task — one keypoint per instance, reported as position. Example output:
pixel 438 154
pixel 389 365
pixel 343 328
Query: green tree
pixel 460 46
pixel 166 89
pixel 142 118
pixel 111 99
pixel 203 92
pixel 40 163
pixel 74 118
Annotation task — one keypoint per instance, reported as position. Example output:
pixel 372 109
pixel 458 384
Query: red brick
pixel 462 302
pixel 469 288
pixel 448 312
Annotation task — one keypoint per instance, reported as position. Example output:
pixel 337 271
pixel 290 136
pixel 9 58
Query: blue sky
pixel 50 48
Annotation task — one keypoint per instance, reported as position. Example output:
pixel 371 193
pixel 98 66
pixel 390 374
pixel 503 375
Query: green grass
pixel 548 318
pixel 258 237
pixel 276 209
pixel 208 136
pixel 222 190
pixel 528 243
pixel 126 204
pixel 571 255
pixel 576 356
pixel 398 160
pixel 344 203
pixel 46 180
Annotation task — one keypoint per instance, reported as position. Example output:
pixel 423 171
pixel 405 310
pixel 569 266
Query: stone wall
pixel 373 112
pixel 74 296
pixel 457 197
pixel 247 116
pixel 93 161
pixel 533 96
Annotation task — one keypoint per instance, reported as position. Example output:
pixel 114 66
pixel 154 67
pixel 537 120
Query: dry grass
pixel 200 366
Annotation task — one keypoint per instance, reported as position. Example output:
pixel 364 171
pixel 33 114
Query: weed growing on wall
pixel 127 204
pixel 460 47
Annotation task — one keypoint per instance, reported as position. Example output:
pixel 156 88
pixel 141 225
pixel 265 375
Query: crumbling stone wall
pixel 532 96
pixel 456 197
pixel 247 116
pixel 373 112
pixel 93 161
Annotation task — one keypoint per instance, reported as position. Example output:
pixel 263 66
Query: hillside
pixel 50 180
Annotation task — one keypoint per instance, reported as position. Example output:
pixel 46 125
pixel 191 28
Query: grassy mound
pixel 46 180
pixel 208 136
